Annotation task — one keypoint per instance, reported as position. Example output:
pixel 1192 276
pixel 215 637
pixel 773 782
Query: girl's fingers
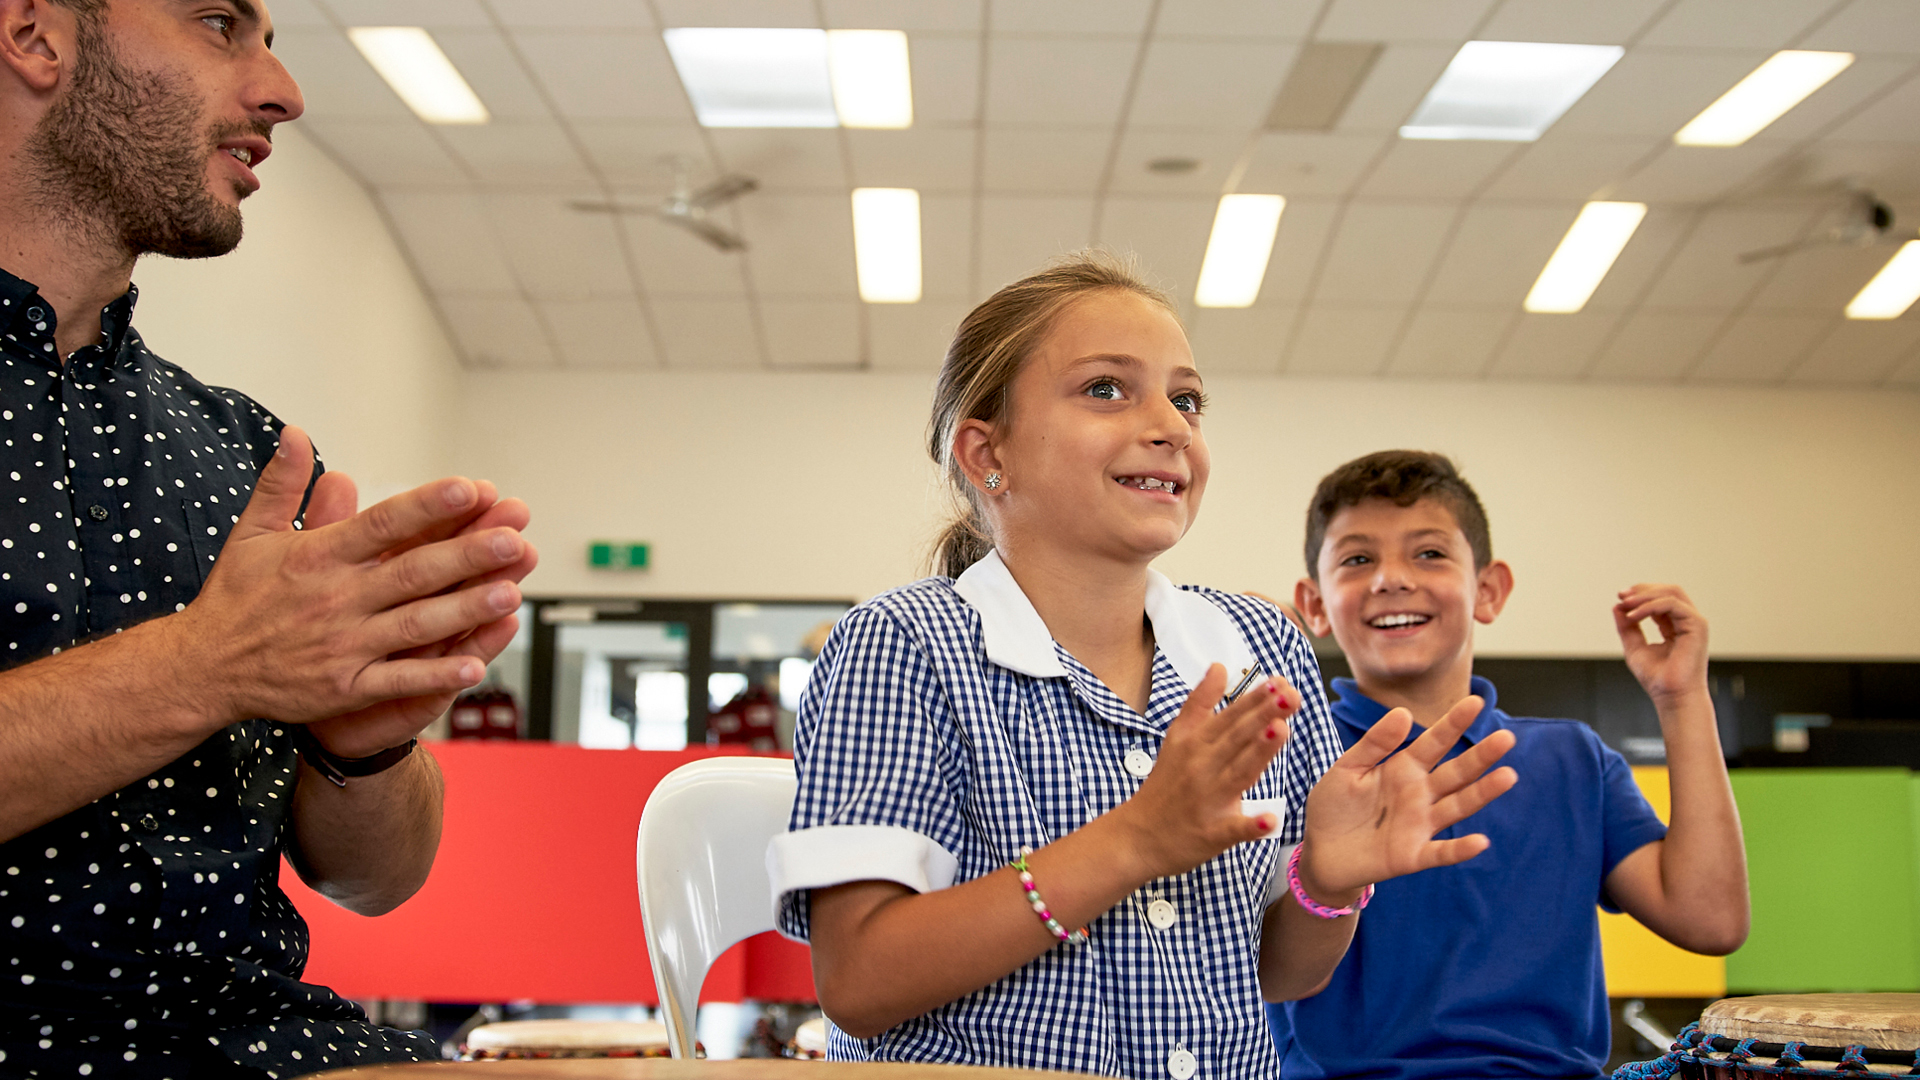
pixel 1254 755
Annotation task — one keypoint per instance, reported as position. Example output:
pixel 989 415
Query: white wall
pixel 318 317
pixel 1790 514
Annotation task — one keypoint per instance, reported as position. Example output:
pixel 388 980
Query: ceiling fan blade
pixel 708 231
pixel 596 206
pixel 1778 250
pixel 731 186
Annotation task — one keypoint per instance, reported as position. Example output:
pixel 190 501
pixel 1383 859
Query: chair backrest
pixel 702 863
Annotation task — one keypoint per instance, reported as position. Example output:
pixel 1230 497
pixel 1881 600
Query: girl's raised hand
pixel 1373 816
pixel 1188 808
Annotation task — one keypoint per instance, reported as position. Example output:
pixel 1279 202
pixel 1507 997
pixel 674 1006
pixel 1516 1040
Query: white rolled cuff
pixel 836 854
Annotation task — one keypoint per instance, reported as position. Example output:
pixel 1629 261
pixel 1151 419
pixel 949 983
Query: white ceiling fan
pixel 686 207
pixel 1862 220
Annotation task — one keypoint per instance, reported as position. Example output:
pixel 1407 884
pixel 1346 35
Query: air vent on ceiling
pixel 1323 81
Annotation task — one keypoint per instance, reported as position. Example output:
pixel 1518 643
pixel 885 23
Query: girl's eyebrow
pixel 1127 360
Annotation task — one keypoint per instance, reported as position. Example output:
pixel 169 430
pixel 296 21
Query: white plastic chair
pixel 702 864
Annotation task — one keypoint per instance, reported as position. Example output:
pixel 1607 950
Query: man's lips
pixel 245 154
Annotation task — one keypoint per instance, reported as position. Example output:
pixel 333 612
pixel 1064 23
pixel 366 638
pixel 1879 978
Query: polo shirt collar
pixel 1357 712
pixel 1188 628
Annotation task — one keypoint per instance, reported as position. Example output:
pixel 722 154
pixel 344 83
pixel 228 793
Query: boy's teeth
pixel 1389 622
pixel 1148 483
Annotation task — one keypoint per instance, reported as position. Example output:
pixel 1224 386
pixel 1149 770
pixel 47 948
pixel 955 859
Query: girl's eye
pixel 1190 402
pixel 1105 390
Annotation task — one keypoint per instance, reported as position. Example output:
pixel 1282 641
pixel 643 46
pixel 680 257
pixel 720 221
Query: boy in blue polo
pixel 1400 568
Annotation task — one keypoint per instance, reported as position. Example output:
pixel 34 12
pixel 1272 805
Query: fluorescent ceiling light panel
pixel 872 87
pixel 1238 250
pixel 1893 290
pixel 1509 91
pixel 751 77
pixel 1765 95
pixel 1584 256
pixel 412 63
pixel 886 244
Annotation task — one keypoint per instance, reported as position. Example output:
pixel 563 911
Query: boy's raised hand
pixel 1374 814
pixel 1675 665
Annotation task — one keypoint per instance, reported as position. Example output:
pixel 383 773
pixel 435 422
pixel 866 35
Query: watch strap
pixel 338 769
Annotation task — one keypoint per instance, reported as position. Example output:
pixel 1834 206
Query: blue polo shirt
pixel 1490 968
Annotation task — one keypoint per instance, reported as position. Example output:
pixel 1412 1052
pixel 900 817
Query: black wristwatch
pixel 336 768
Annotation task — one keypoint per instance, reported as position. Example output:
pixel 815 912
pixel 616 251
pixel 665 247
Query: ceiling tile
pixel 603 332
pixel 705 335
pixel 1056 80
pixel 1656 345
pixel 1760 348
pixel 1298 248
pixel 1553 346
pixel 432 14
pixel 1210 84
pixel 1053 160
pixel 1907 374
pixel 557 252
pixel 1070 16
pixel 737 13
pixel 450 241
pixel 1497 252
pixel 1020 234
pixel 582 14
pixel 1656 91
pixel 386 151
pixel 1236 18
pixel 1297 163
pixel 1432 169
pixel 1382 251
pixel 673 262
pixel 1698 174
pixel 1866 79
pixel 1889 119
pixel 640 154
pixel 1167 236
pixel 927 159
pixel 1891 170
pixel 494 72
pixel 520 152
pixel 812 333
pixel 1612 23
pixel 946 248
pixel 1644 257
pixel 799 245
pixel 1734 24
pixel 1706 271
pixel 1240 339
pixel 608 75
pixel 335 82
pixel 1399 79
pixel 1859 351
pixel 1570 167
pixel 1402 20
pixel 946 78
pixel 784 158
pixel 1216 151
pixel 496 330
pixel 1868 26
pixel 1450 342
pixel 912 337
pixel 297 13
pixel 1343 340
pixel 955 15
pixel 1820 280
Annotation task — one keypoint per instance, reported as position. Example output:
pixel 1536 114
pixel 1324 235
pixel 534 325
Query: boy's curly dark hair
pixel 1402 477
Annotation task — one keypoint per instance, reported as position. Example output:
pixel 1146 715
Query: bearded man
pixel 194 684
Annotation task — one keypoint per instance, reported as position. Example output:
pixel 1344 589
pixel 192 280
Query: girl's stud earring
pixel 993 481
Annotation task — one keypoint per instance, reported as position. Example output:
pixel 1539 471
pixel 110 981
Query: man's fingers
pixel 334 499
pixel 436 567
pixel 387 680
pixel 437 618
pixel 1382 739
pixel 281 488
pixel 489 511
pixel 402 519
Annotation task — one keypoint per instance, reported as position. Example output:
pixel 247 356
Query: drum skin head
pixel 568 1038
pixel 1879 1021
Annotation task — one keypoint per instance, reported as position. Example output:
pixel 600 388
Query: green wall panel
pixel 1833 856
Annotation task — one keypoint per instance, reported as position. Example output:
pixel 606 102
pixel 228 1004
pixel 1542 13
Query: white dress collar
pixel 1188 627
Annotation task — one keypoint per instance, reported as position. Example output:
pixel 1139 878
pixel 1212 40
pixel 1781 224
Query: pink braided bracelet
pixel 1315 907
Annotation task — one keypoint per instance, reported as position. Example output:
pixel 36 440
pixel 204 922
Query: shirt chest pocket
pixel 206 527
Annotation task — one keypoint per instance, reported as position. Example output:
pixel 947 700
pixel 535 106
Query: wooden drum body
pixel 567 1039
pixel 1833 1035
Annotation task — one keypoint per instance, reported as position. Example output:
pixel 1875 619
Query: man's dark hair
pixel 1402 477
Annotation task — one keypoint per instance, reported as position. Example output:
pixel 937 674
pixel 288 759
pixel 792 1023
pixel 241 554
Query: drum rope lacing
pixel 1694 1047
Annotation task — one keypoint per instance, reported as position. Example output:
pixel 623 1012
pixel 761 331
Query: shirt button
pixel 1181 1065
pixel 97 512
pixel 1139 763
pixel 149 823
pixel 36 313
pixel 1161 914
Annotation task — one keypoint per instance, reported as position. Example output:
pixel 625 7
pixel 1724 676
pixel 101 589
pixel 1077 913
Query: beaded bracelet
pixel 1040 906
pixel 1315 907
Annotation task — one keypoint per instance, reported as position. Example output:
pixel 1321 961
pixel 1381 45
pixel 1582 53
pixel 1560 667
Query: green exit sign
pixel 617 555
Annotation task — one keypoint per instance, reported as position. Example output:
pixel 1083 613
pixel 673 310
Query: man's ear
pixel 1312 607
pixel 37 39
pixel 975 453
pixel 1495 584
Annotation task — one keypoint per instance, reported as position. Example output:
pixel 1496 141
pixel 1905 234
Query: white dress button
pixel 1161 914
pixel 1139 763
pixel 1181 1065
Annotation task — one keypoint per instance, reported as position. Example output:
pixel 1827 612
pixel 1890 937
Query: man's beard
pixel 123 155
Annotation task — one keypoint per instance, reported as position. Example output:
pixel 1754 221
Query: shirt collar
pixel 1358 712
pixel 1189 629
pixel 20 298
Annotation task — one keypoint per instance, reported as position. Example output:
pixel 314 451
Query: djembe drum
pixel 567 1039
pixel 1843 1035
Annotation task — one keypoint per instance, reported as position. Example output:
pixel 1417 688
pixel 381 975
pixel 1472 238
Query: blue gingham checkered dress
pixel 924 761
